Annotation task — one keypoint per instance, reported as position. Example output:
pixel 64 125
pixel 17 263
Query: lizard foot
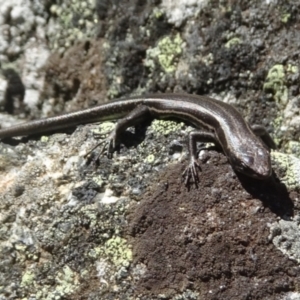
pixel 191 171
pixel 108 146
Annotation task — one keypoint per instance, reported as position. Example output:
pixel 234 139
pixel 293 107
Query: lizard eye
pixel 248 160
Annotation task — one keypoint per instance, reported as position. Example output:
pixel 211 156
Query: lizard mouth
pixel 262 172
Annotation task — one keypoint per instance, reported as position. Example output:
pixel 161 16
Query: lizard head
pixel 252 159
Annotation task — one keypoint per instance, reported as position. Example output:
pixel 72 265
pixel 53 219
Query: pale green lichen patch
pixel 95 252
pixel 27 278
pixel 276 83
pixel 67 282
pixel 277 123
pixel 104 128
pixel 116 250
pixel 232 42
pixel 150 159
pixel 44 139
pixel 292 69
pixel 166 127
pixel 73 20
pixel 157 13
pixel 166 52
pixel 289 166
pixel 98 180
pixel 293 147
pixel 90 213
pixel 113 257
pixel 285 17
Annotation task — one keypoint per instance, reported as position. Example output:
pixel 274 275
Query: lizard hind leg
pixel 109 144
pixel 264 135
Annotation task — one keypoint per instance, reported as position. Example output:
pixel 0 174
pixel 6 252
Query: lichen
pixel 27 278
pixel 163 127
pixel 166 51
pixel 71 21
pixel 290 166
pixel 118 250
pixel 285 17
pixel 293 147
pixel 67 282
pixel 276 83
pixel 232 42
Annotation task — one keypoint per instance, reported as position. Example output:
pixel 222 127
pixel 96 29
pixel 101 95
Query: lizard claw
pixel 108 146
pixel 191 171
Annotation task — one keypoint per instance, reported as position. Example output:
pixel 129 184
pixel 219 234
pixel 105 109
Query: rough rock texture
pixel 126 227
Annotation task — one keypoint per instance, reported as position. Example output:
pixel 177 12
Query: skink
pixel 247 148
